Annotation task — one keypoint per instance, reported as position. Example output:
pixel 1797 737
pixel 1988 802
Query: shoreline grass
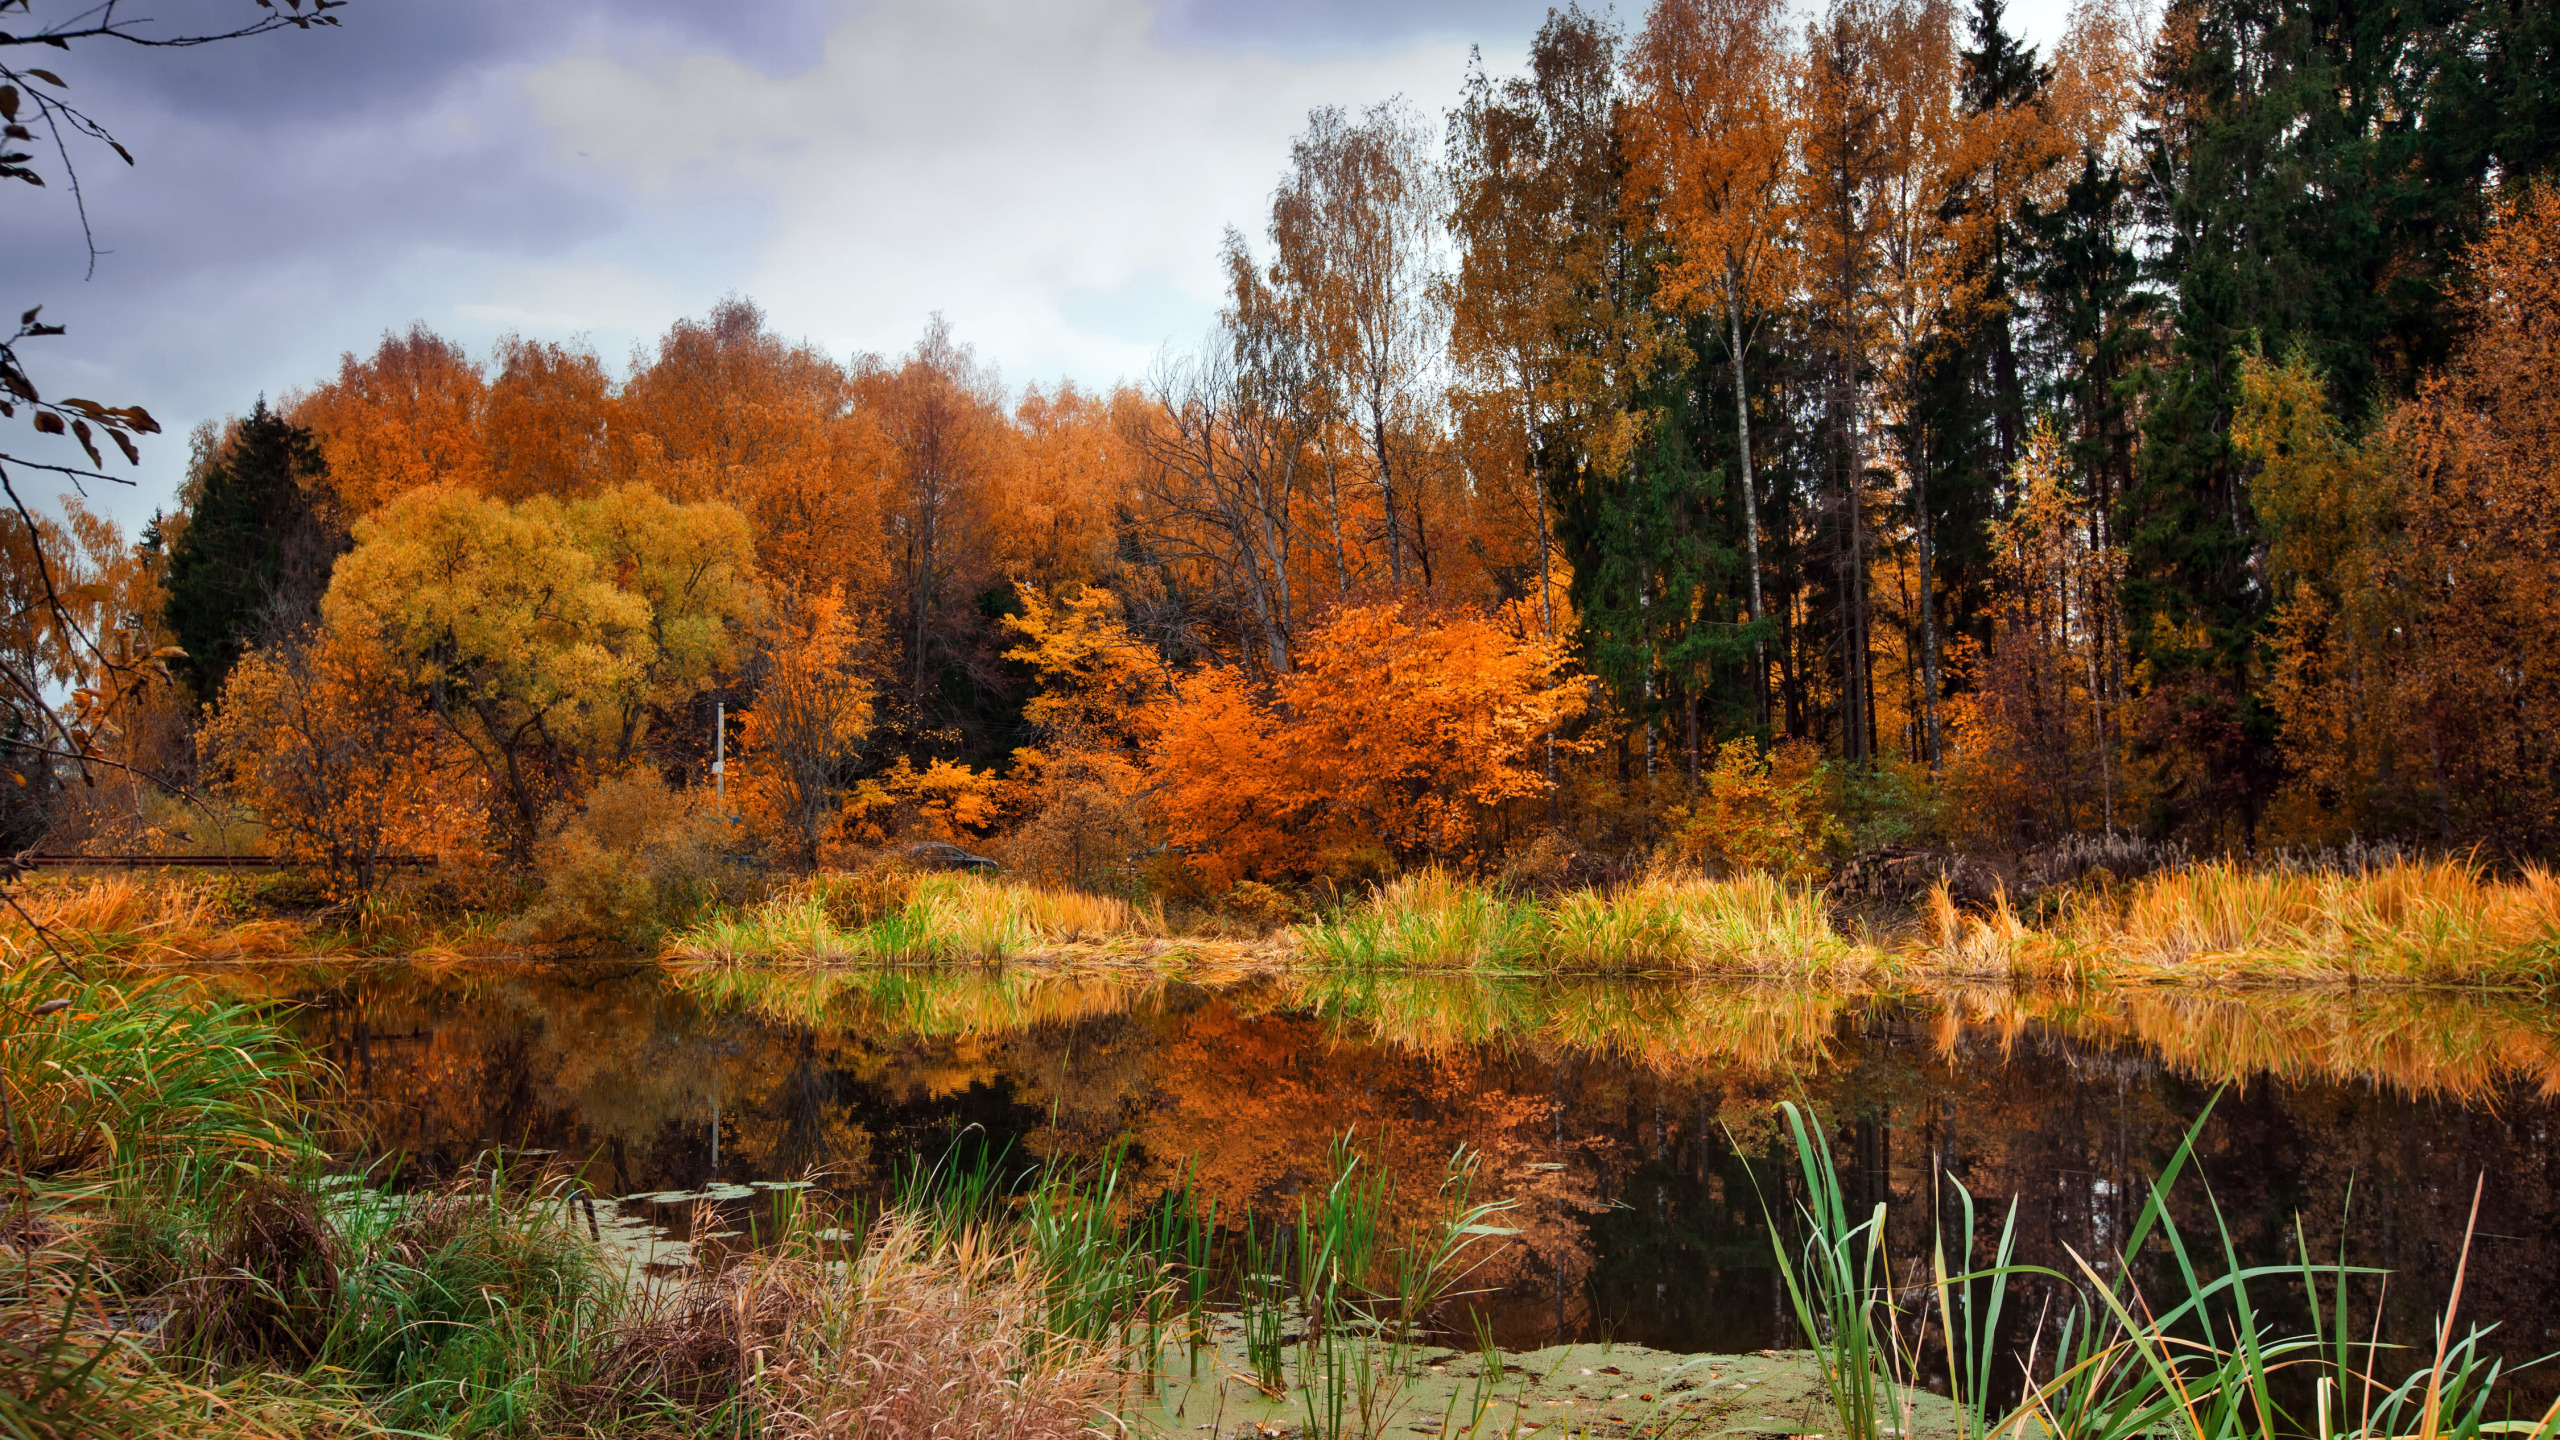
pixel 2406 922
pixel 909 919
pixel 2205 1350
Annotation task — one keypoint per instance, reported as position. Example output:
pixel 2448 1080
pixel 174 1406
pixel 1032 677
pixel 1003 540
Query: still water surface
pixel 1632 1123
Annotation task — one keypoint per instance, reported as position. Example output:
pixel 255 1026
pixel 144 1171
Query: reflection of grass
pixel 1662 1025
pixel 919 1000
pixel 2425 1042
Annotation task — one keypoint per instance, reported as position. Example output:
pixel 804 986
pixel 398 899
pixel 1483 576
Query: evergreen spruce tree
pixel 253 558
pixel 2309 172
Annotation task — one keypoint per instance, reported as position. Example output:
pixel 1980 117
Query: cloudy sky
pixel 1053 177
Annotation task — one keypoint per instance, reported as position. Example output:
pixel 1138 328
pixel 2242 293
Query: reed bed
pixel 2394 922
pixel 112 1079
pixel 1435 920
pixel 2415 921
pixel 2123 1350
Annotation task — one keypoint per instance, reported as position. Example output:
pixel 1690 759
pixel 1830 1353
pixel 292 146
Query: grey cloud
pixel 298 195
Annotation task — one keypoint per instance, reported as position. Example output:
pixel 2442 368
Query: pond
pixel 1633 1124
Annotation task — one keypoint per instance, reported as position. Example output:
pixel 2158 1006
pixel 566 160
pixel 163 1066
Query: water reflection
pixel 1628 1120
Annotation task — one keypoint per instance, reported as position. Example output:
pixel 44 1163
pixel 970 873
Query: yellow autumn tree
pixel 528 655
pixel 1763 810
pixel 692 566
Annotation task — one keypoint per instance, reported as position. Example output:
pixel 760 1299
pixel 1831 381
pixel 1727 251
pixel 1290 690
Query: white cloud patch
pixel 1054 178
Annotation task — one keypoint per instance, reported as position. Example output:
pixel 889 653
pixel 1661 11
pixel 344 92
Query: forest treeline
pixel 1744 438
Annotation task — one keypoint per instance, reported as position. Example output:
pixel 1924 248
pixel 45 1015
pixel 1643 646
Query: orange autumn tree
pixel 1402 734
pixel 325 738
pixel 807 727
pixel 549 420
pixel 727 410
pixel 410 416
pixel 1055 525
pixel 2031 741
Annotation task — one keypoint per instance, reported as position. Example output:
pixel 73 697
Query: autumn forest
pixel 1744 439
pixel 1787 637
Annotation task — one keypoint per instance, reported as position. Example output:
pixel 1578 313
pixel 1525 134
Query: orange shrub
pixel 328 743
pixel 1401 731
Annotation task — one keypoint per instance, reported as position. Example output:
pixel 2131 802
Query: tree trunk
pixel 1930 753
pixel 1750 502
pixel 1387 491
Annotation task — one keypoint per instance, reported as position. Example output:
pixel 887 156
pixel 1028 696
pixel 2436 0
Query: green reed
pixel 1429 919
pixel 1096 1276
pixel 1262 1304
pixel 2200 1361
pixel 1180 1232
pixel 1364 1290
pixel 964 1189
pixel 148 1079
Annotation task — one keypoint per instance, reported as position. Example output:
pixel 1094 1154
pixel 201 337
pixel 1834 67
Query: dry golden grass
pixel 153 916
pixel 838 918
pixel 133 916
pixel 1989 942
pixel 920 1336
pixel 2420 922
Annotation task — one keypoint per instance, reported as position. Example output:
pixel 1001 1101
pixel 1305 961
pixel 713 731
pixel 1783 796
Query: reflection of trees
pixel 1656 1101
pixel 1254 1103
